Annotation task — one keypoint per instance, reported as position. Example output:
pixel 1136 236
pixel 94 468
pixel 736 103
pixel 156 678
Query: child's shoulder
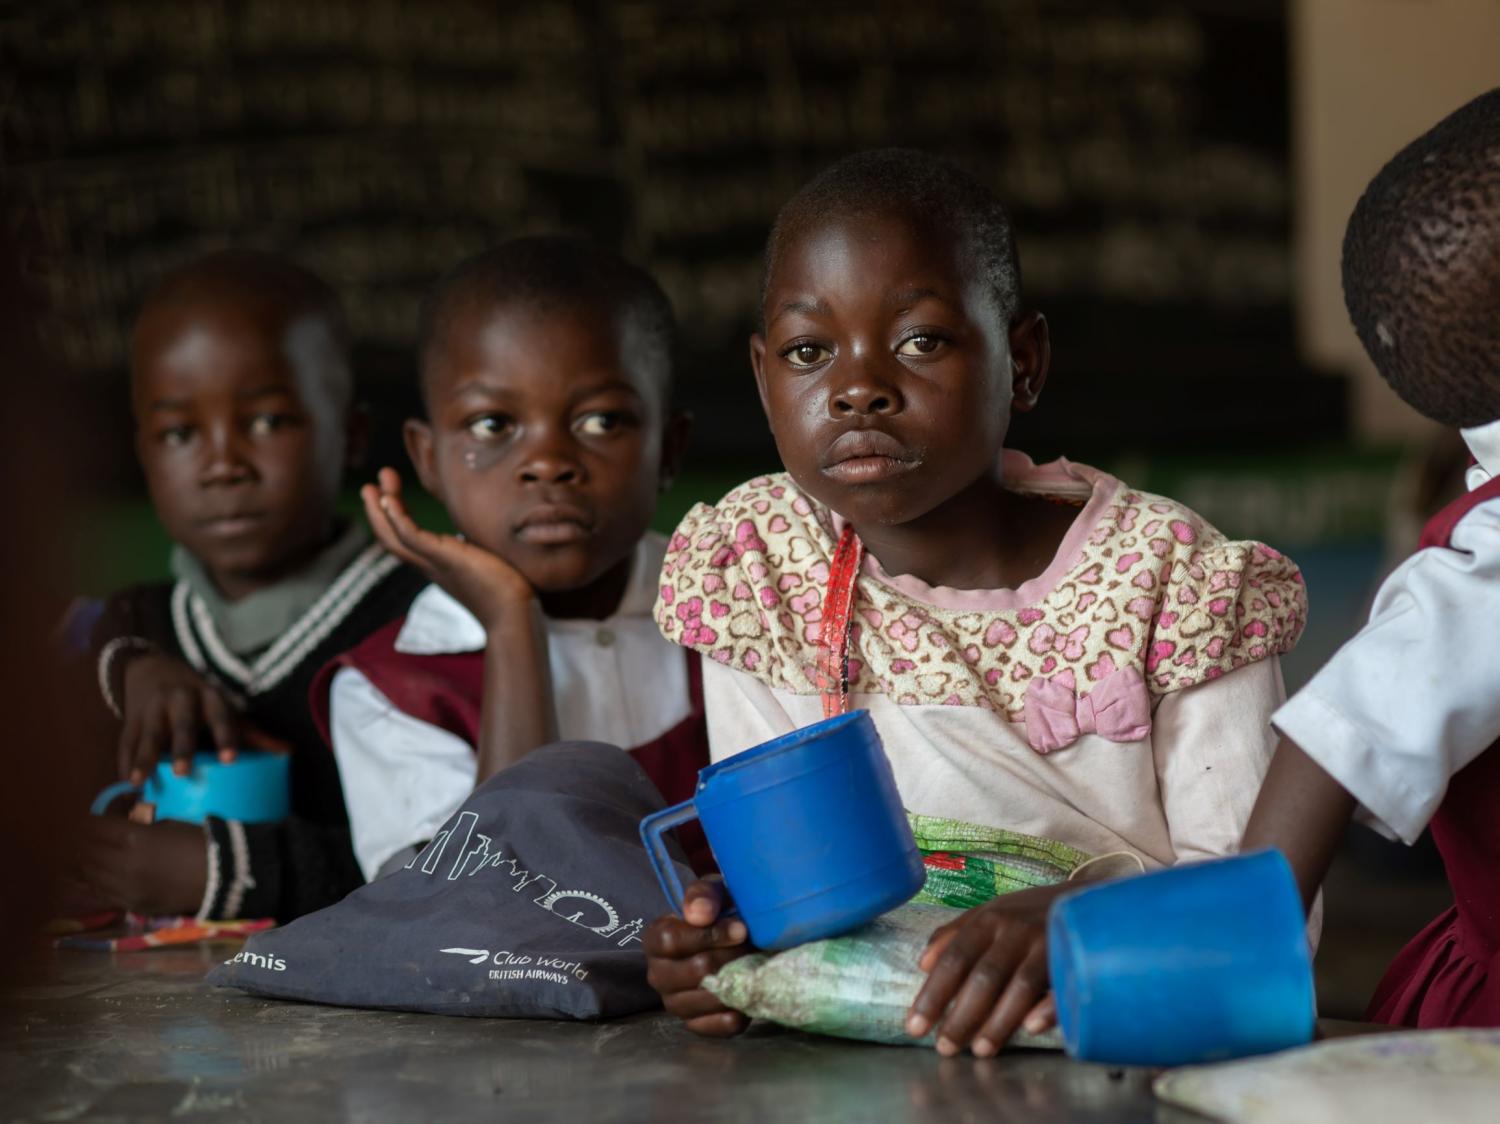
pixel 1140 581
pixel 740 577
pixel 1204 604
pixel 764 516
pixel 767 530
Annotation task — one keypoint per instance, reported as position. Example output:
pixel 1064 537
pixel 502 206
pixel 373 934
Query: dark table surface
pixel 139 1036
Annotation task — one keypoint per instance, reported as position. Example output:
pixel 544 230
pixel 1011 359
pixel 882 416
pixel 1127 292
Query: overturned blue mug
pixel 252 789
pixel 1196 963
pixel 808 831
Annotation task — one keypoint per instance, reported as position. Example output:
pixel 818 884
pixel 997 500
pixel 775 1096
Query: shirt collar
pixel 436 624
pixel 1484 443
pixel 256 621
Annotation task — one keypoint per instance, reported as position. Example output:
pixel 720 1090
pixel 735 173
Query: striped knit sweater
pixel 286 869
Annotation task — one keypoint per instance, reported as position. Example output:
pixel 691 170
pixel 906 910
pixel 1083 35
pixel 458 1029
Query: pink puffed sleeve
pixel 732 577
pixel 1226 606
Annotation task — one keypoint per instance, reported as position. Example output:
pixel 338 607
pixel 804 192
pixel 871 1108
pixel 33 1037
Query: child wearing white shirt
pixel 1402 727
pixel 546 368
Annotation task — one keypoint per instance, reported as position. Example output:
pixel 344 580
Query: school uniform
pixel 1406 716
pixel 263 651
pixel 402 711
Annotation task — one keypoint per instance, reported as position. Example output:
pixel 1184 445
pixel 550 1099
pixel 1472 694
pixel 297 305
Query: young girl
pixel 1043 648
pixel 1405 719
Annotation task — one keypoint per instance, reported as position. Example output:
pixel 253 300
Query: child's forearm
pixel 1302 811
pixel 518 714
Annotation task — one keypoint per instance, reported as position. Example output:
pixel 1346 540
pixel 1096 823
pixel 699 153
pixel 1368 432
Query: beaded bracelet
pixel 118 651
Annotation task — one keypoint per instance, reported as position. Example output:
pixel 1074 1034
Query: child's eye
pixel 175 436
pixel 806 354
pixel 490 427
pixel 263 425
pixel 920 345
pixel 600 423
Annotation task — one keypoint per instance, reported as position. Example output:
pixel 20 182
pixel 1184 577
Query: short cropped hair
pixel 551 271
pixel 259 277
pixel 909 181
pixel 1421 268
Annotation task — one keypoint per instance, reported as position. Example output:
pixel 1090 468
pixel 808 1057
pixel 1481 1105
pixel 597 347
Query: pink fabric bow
pixel 1118 708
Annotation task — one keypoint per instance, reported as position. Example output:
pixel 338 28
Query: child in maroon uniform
pixel 1403 725
pixel 546 372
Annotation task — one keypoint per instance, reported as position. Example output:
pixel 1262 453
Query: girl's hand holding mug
pixel 681 951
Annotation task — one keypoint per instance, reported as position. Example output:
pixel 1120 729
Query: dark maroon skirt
pixel 1449 975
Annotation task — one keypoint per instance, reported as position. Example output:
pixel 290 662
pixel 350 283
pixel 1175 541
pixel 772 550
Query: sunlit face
pixel 242 428
pixel 884 368
pixel 545 438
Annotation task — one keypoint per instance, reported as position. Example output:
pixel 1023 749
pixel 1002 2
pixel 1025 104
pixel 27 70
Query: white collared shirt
pixel 1415 696
pixel 1484 443
pixel 614 680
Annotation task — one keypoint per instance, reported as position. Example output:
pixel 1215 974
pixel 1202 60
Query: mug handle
pixel 652 829
pixel 111 794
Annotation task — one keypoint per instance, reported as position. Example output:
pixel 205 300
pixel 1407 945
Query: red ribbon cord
pixel 833 635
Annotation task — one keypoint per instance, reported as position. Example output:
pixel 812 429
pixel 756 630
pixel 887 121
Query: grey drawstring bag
pixel 529 903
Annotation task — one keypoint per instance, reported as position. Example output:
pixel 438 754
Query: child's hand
pixel 485 584
pixel 167 707
pixel 988 971
pixel 681 951
pixel 518 714
pixel 161 868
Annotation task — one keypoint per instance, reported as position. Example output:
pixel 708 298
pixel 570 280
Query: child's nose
pixel 866 395
pixel 225 462
pixel 549 466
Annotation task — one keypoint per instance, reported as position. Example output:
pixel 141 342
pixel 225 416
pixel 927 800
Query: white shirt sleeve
pixel 1213 744
pixel 1415 696
pixel 402 777
pixel 741 711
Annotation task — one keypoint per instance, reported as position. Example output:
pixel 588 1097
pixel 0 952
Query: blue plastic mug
pixel 808 831
pixel 1196 963
pixel 252 789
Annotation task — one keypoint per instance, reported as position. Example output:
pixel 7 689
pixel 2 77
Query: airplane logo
pixel 475 955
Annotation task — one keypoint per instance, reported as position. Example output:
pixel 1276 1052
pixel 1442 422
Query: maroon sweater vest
pixel 1449 975
pixel 446 690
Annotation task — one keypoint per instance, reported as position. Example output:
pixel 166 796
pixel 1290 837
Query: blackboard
pixel 1142 148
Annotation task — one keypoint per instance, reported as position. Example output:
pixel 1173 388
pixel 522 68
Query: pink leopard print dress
pixel 1118 701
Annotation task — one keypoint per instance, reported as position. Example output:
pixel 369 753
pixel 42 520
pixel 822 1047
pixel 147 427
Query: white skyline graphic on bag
pixel 472 855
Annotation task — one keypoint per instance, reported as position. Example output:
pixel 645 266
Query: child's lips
pixel 867 456
pixel 232 524
pixel 554 525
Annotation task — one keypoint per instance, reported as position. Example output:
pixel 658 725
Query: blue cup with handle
pixel 252 789
pixel 808 831
pixel 1196 963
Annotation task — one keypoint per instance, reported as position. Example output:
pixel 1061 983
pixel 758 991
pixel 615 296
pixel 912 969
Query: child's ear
pixel 1031 358
pixel 758 365
pixel 674 443
pixel 423 454
pixel 357 428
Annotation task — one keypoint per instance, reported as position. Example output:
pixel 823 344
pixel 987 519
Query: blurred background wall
pixel 1143 149
pixel 1179 173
